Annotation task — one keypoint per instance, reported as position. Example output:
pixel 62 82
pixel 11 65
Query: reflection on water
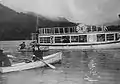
pixel 72 70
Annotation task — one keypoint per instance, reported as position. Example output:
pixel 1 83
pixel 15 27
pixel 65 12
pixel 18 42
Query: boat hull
pixel 24 66
pixel 108 45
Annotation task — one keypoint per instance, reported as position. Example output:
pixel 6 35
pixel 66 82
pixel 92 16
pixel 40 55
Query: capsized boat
pixel 56 57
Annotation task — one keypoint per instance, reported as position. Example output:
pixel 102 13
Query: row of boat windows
pixel 57 30
pixel 66 39
pixel 75 29
pixel 79 38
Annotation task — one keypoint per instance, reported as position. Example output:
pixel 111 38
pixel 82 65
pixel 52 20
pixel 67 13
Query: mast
pixel 36 23
pixel 37 31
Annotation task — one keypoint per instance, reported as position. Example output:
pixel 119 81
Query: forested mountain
pixel 19 26
pixel 113 26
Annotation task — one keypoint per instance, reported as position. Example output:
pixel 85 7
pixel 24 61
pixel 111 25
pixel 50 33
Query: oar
pixel 51 66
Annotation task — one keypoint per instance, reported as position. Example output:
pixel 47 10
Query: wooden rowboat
pixel 24 66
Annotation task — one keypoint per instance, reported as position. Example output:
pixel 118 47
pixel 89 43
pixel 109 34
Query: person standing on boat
pixel 37 53
pixel 4 60
pixel 22 46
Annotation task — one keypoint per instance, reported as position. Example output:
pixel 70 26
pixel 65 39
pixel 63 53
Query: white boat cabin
pixel 81 34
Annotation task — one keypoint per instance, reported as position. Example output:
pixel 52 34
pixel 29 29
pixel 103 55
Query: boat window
pixel 47 40
pixel 41 40
pixel 41 30
pixel 44 39
pixel 74 39
pixel 61 30
pixel 66 30
pixel 82 38
pixel 56 30
pixel 109 37
pixel 47 30
pixel 72 29
pixel 94 28
pixel 99 28
pixel 100 37
pixel 88 28
pixel 66 39
pixel 58 39
pixel 116 36
pixel 52 30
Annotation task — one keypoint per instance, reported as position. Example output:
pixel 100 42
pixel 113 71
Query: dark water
pixel 72 70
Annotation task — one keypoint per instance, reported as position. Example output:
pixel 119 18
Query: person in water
pixel 93 73
pixel 37 53
pixel 4 60
pixel 22 46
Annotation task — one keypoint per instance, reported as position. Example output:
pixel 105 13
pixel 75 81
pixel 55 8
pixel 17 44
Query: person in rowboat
pixel 38 56
pixel 4 60
pixel 37 53
pixel 22 46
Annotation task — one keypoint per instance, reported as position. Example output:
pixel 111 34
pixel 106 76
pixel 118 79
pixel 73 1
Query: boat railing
pixel 72 30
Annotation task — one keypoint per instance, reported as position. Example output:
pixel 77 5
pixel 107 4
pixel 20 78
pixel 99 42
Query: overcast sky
pixel 83 11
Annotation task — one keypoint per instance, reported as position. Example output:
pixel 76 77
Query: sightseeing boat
pixel 53 58
pixel 78 37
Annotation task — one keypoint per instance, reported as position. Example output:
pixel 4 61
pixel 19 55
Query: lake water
pixel 72 70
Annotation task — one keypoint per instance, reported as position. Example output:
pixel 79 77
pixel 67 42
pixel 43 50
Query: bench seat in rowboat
pixel 56 57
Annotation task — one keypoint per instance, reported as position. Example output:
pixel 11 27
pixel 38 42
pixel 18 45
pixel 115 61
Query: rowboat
pixel 44 49
pixel 53 58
